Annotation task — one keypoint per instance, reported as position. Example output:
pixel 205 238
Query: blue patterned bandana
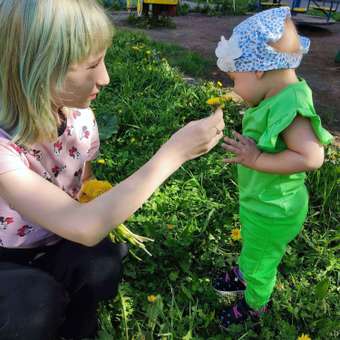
pixel 248 50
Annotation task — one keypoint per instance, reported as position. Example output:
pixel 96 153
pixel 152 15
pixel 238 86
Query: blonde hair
pixel 39 41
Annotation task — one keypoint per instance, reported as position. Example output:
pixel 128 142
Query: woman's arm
pixel 43 203
pixel 303 153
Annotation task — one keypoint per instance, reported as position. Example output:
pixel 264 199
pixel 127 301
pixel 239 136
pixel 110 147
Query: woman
pixel 56 263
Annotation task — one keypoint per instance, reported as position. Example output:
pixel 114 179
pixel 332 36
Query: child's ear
pixel 259 74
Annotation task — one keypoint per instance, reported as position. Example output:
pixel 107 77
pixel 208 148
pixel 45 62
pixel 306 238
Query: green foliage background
pixel 191 215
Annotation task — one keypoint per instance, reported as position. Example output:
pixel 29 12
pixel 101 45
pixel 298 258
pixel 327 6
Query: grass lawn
pixel 191 216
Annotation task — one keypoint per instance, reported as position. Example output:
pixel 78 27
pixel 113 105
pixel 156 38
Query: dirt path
pixel 201 33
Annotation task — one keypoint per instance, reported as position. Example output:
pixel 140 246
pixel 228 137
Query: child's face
pixel 248 85
pixel 83 81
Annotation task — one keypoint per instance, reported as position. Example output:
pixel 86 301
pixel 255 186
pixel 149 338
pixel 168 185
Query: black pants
pixel 54 291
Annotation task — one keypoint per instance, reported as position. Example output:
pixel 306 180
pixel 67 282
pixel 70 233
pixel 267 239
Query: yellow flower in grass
pixel 304 337
pixel 152 298
pixel 101 161
pixel 235 234
pixel 219 84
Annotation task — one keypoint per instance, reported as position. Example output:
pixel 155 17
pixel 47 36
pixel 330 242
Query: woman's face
pixel 83 82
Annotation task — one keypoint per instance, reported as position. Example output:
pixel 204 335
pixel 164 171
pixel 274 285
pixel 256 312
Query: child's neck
pixel 279 79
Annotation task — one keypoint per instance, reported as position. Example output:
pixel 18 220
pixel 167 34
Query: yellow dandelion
pixel 93 188
pixel 83 198
pixel 101 161
pixel 152 298
pixel 235 234
pixel 170 226
pixel 222 100
pixel 219 84
pixel 304 337
pixel 214 101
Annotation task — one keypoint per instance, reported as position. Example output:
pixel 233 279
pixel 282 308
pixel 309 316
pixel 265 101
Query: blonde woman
pixel 56 263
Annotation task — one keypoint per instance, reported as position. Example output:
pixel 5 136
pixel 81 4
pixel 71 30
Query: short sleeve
pixel 95 141
pixel 280 119
pixel 11 158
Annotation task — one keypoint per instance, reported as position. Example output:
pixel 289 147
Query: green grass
pixel 191 215
pixel 188 62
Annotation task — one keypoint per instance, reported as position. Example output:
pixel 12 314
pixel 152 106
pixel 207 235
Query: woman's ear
pixel 259 74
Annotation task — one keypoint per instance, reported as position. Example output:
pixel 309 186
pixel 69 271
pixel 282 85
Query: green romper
pixel 273 207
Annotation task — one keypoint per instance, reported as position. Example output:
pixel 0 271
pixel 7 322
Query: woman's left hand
pixel 244 148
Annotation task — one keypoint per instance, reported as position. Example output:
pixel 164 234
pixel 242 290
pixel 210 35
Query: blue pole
pixel 296 3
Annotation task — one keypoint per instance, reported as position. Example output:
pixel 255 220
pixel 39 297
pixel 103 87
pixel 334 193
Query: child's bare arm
pixel 303 153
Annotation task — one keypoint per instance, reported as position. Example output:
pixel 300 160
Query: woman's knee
pixel 35 308
pixel 93 271
pixel 103 273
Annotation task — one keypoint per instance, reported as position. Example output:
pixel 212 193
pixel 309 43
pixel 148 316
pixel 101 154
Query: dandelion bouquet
pixel 94 188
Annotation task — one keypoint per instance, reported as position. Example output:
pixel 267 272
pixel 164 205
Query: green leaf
pixel 187 292
pixel 321 289
pixel 107 125
pixel 173 276
pixel 188 336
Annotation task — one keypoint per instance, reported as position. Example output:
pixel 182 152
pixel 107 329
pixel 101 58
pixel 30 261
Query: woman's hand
pixel 196 138
pixel 244 148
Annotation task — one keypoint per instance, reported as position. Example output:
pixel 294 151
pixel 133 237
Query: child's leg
pixel 90 275
pixel 32 303
pixel 262 250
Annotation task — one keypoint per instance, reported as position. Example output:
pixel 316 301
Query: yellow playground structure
pixel 159 7
pixel 300 9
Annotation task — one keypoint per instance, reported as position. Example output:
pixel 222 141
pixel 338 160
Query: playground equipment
pixel 327 8
pixel 130 5
pixel 159 7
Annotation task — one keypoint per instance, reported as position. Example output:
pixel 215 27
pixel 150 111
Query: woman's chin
pixel 84 104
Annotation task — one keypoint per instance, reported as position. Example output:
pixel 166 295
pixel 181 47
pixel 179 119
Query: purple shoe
pixel 230 283
pixel 239 313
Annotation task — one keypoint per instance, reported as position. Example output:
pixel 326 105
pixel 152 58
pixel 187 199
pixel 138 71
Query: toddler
pixel 282 138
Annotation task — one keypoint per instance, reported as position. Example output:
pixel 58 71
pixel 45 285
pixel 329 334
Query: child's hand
pixel 244 148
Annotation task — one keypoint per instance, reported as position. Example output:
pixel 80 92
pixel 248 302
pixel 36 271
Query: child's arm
pixel 303 153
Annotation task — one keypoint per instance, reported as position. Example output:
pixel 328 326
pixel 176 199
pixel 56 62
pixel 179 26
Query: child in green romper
pixel 282 138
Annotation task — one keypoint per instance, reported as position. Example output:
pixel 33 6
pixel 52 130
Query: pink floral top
pixel 61 163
